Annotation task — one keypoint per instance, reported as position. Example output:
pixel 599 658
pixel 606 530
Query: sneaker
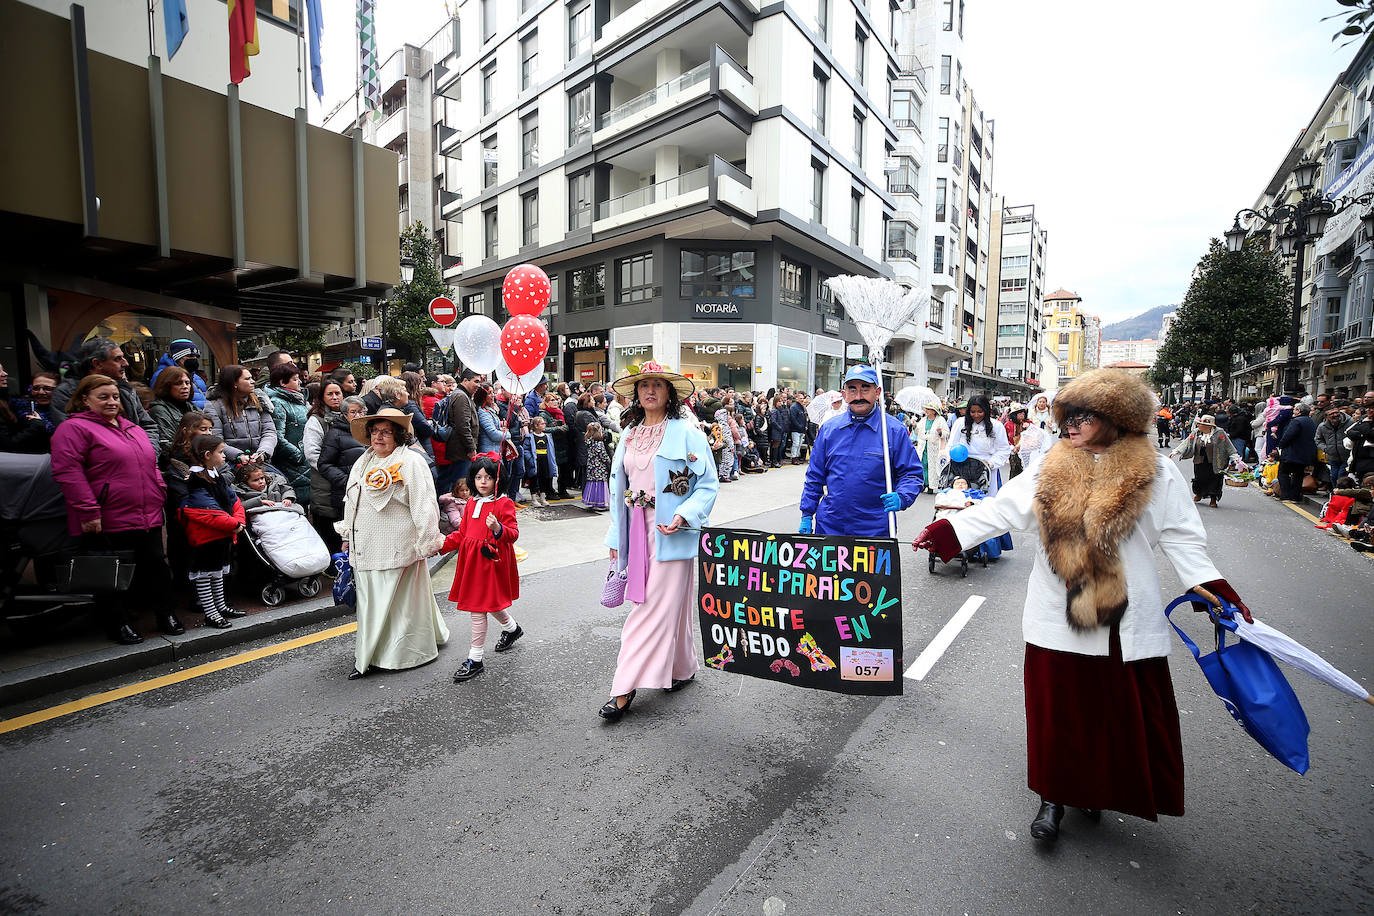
pixel 507 639
pixel 1362 546
pixel 469 670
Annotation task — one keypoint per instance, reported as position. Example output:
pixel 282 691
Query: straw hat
pixel 359 425
pixel 649 369
pixel 1206 420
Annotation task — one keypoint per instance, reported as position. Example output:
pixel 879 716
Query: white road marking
pixel 942 640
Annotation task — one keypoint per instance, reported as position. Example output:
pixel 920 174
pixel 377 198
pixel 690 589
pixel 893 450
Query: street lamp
pixel 1302 224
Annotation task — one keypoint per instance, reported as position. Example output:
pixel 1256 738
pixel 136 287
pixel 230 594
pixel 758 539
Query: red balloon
pixel 524 343
pixel 526 290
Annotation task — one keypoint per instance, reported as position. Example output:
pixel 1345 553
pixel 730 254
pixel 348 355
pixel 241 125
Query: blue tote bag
pixel 1252 687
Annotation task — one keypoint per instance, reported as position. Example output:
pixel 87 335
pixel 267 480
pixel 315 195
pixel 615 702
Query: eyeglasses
pixel 42 387
pixel 1077 420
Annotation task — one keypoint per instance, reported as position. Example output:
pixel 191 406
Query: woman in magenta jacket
pixel 107 469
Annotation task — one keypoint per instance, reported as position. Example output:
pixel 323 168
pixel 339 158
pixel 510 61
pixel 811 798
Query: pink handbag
pixel 613 592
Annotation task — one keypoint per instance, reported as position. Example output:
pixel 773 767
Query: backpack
pixel 439 420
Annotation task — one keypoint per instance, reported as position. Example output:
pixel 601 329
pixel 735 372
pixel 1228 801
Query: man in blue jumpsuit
pixel 844 489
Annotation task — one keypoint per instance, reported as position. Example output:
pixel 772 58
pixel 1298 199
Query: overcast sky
pixel 1137 129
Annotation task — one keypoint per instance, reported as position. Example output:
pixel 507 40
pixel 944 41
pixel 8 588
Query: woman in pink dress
pixel 662 487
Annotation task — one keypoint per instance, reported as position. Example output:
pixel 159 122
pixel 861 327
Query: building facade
pixel 1017 277
pixel 1067 329
pixel 1136 351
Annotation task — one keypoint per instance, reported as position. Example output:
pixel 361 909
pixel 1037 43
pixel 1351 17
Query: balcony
pixel 637 14
pixel 450 204
pixel 392 128
pixel 1354 332
pixel 402 171
pixel 900 252
pixel 909 66
pixel 732 80
pixel 732 187
pixel 675 89
pixel 450 142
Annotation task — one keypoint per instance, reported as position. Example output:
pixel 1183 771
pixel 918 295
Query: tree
pixel 407 317
pixel 1358 23
pixel 361 371
pixel 1237 302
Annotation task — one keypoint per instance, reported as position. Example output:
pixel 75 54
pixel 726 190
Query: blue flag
pixel 316 31
pixel 176 23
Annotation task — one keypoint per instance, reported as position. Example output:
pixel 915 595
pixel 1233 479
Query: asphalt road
pixel 280 786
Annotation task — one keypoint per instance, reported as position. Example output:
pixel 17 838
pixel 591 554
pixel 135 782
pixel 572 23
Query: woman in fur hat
pixel 1101 724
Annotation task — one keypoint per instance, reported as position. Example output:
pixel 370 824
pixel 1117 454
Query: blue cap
pixel 861 373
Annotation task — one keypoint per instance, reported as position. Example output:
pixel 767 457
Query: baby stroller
pixel 287 550
pixel 977 475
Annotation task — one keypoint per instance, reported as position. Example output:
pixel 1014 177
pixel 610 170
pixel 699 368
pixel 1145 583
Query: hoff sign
pixel 716 308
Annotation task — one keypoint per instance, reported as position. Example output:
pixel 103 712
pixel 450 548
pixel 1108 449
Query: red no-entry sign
pixel 443 311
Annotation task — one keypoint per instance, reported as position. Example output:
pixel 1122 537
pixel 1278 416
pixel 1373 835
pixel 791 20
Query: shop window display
pixel 711 365
pixel 145 336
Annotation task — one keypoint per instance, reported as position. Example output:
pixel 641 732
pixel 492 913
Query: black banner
pixel 815 611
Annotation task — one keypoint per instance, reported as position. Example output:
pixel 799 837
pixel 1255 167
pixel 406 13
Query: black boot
pixel 126 636
pixel 1046 823
pixel 169 624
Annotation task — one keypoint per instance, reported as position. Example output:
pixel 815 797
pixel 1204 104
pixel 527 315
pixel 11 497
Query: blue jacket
pixel 197 383
pixel 797 418
pixel 550 460
pixel 533 404
pixel 491 434
pixel 1298 443
pixel 844 482
pixel 684 446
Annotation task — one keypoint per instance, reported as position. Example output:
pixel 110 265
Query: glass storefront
pixel 711 365
pixel 145 336
pixel 829 372
pixel 625 357
pixel 792 368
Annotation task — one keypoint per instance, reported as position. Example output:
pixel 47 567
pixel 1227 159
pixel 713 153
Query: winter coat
pixel 128 399
pixel 995 450
pixel 598 461
pixel 779 424
pixel 1298 444
pixel 197 383
pixel 167 414
pixel 796 418
pixel 534 402
pixel 450 513
pixel 1331 440
pixel 557 430
pixel 107 473
pixel 462 420
pixel 492 434
pixel 1363 497
pixel 707 407
pixel 1360 435
pixel 278 491
pixel 315 425
pixel 397 524
pixel 533 458
pixel 290 418
pixel 1238 425
pixel 1221 449
pixel 211 510
pixel 338 453
pixel 252 431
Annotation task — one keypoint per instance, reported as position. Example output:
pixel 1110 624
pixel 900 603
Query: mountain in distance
pixel 1145 326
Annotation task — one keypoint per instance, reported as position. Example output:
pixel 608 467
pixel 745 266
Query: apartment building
pixel 1013 332
pixel 1141 351
pixel 1066 333
pixel 688 173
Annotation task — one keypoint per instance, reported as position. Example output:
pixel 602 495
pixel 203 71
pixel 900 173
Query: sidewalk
pixel 563 535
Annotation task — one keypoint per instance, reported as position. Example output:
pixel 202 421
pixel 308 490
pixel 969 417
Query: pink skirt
pixel 656 643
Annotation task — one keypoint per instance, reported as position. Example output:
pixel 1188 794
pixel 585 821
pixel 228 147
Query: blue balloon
pixel 958 453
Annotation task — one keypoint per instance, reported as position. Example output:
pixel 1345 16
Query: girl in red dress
pixel 485 579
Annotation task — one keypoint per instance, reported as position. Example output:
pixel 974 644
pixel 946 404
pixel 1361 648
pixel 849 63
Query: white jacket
pixel 995 450
pixel 1170 521
pixel 396 525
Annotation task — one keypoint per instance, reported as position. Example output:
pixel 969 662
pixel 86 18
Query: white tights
pixel 479 631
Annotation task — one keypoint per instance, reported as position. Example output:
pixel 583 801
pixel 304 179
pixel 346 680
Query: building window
pixel 1011 330
pixel 489 225
pixel 488 87
pixel 489 158
pixel 941 185
pixel 529 219
pixel 823 19
pixel 529 142
pixel 587 288
pixel 488 19
pixel 793 279
pixel 947 15
pixel 529 59
pixel 1014 285
pixel 937 308
pixel 579 115
pixel 907 178
pixel 475 304
pixel 942 139
pixel 946 68
pixel 817 192
pixel 579 30
pixel 856 206
pixel 860 56
pixel 906 108
pixel 580 201
pixel 1020 260
pixel 635 279
pixel 717 273
pixel 822 92
pixel 859 138
pixel 901 240
pixel 826 303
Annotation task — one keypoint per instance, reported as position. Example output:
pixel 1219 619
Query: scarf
pixel 1086 506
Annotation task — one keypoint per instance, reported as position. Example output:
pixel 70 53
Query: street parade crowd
pixel 387 474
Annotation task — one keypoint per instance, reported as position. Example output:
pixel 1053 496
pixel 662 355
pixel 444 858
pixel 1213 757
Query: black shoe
pixel 507 639
pixel 469 670
pixel 355 674
pixel 228 611
pixel 216 620
pixel 679 684
pixel 612 711
pixel 1092 814
pixel 126 636
pixel 169 624
pixel 1046 823
pixel 1362 546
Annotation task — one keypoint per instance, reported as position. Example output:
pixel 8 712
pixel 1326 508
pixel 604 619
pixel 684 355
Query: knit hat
pixel 180 349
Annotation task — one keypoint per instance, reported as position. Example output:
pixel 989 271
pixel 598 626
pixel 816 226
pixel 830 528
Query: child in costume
pixel 598 468
pixel 212 517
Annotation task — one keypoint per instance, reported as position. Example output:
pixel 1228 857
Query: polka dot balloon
pixel 524 343
pixel 526 290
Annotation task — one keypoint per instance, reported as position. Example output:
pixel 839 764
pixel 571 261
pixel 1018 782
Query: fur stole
pixel 1086 508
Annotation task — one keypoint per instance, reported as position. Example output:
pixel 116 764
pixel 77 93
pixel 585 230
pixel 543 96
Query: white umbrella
pixel 825 406
pixel 914 398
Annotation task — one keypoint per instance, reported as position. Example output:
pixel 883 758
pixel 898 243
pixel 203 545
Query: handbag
pixel 97 572
pixel 345 591
pixel 1250 684
pixel 613 591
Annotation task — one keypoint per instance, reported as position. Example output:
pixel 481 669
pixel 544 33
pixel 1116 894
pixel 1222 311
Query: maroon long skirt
pixel 1101 733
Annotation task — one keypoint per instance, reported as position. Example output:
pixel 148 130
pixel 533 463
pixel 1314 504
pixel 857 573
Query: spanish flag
pixel 243 38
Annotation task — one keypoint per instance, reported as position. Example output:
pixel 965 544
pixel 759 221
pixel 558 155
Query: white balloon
pixel 477 342
pixel 520 384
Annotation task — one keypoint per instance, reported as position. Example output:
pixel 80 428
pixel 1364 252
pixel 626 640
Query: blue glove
pixel 892 502
pixel 807 526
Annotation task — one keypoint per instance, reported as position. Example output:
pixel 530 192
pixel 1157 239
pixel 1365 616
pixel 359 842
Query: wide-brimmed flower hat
pixel 359 425
pixel 649 369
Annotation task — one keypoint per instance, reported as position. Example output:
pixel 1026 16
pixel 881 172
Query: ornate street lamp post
pixel 1302 223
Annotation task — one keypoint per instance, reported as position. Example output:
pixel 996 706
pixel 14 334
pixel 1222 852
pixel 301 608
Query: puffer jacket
pixel 211 510
pixel 338 453
pixel 107 473
pixel 1331 440
pixel 197 383
pixel 290 417
pixel 167 415
pixel 252 431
